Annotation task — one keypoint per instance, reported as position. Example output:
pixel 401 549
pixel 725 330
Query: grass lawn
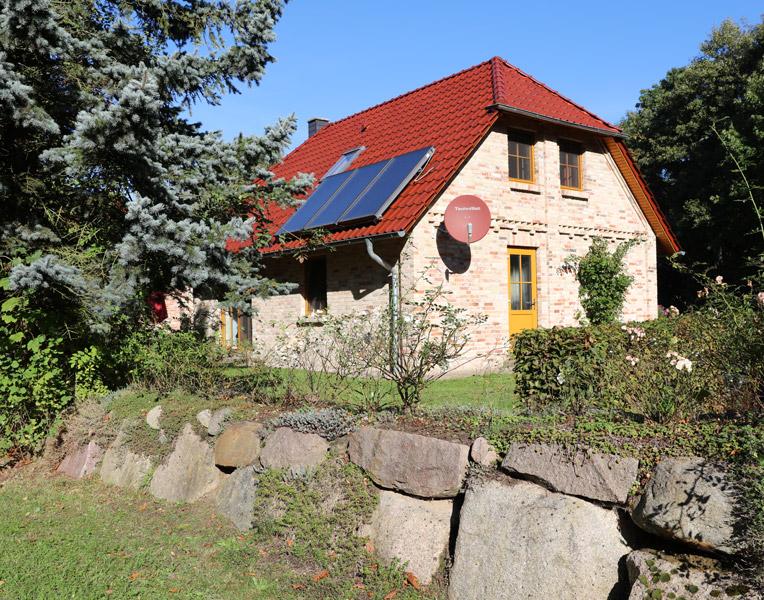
pixel 492 390
pixel 65 539
pixel 82 539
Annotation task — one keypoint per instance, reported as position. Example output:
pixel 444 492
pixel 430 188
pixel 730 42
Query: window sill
pixel 523 186
pixel 573 194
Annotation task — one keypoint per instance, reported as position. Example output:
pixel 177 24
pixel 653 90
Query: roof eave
pixel 533 115
pixel 337 243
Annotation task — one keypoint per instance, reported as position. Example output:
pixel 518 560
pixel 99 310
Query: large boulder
pixel 81 462
pixel 289 449
pixel 519 540
pixel 657 575
pixel 124 468
pixel 412 531
pixel 414 464
pixel 238 445
pixel 189 473
pixel 236 497
pixel 602 477
pixel 690 500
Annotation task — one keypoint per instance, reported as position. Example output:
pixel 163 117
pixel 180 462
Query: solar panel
pixel 320 196
pixel 373 202
pixel 358 195
pixel 360 179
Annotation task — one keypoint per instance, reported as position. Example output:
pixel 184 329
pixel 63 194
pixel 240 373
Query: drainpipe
pixel 394 300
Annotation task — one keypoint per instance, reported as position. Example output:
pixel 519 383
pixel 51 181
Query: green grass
pixel 81 539
pixel 493 390
pixel 63 539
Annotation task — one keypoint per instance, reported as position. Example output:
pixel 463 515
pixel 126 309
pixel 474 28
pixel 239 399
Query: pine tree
pixel 109 191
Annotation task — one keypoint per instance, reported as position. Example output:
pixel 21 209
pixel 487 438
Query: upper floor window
pixel 520 155
pixel 571 165
pixel 315 285
pixel 344 161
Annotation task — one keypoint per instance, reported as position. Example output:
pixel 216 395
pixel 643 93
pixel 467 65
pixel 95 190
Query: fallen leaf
pixel 331 554
pixel 109 592
pixel 391 595
pixel 174 590
pixel 412 579
pixel 134 575
pixel 369 547
pixel 143 506
pixel 321 575
pixel 359 586
pixel 263 552
pixel 298 586
pixel 290 543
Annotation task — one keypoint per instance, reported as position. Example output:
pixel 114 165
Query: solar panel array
pixel 358 195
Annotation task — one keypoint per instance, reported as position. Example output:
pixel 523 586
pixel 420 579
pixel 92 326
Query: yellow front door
pixel 523 308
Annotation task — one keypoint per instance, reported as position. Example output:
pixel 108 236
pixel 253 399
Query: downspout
pixel 394 298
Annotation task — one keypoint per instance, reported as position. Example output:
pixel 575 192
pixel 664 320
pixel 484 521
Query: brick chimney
pixel 315 125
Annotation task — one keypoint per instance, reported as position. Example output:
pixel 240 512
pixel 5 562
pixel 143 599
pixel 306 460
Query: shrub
pixel 329 423
pixel 163 360
pixel 602 280
pixel 35 385
pixel 710 360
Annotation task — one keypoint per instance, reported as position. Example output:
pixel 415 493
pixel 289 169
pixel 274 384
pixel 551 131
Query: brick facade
pixel 556 223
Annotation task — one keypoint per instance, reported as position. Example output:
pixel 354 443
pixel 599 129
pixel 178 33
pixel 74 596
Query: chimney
pixel 315 125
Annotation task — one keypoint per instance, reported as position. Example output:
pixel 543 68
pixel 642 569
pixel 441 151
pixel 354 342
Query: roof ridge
pixel 546 87
pixel 404 94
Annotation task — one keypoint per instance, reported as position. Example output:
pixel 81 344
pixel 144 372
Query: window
pixel 520 155
pixel 570 165
pixel 345 161
pixel 235 328
pixel 315 285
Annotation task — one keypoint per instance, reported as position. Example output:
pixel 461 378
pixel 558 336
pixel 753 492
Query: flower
pixel 679 362
pixel 703 293
pixel 673 311
pixel 560 378
pixel 634 333
pixel 632 360
pixel 760 299
pixel 719 279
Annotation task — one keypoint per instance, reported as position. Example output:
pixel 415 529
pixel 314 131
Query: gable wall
pixel 556 223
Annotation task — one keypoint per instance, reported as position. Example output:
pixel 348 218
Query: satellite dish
pixel 467 219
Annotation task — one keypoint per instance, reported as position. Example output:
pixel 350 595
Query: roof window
pixel 344 162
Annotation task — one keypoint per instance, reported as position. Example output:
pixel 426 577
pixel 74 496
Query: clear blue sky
pixel 336 57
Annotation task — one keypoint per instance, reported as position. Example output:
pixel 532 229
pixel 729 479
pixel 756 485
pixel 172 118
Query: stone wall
pixel 547 522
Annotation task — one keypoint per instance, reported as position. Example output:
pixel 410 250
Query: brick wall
pixel 554 222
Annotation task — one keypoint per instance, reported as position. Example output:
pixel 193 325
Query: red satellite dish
pixel 467 219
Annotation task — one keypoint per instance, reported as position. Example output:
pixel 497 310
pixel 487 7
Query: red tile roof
pixel 452 114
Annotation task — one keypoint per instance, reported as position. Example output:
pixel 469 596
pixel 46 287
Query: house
pixel 553 175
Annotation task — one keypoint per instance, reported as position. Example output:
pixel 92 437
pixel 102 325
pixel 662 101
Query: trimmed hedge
pixel 709 361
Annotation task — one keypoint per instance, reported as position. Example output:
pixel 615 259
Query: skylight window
pixel 345 161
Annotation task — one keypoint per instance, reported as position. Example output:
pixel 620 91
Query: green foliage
pixel 316 517
pixel 87 365
pixel 695 173
pixel 35 384
pixel 710 360
pixel 163 360
pixel 602 281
